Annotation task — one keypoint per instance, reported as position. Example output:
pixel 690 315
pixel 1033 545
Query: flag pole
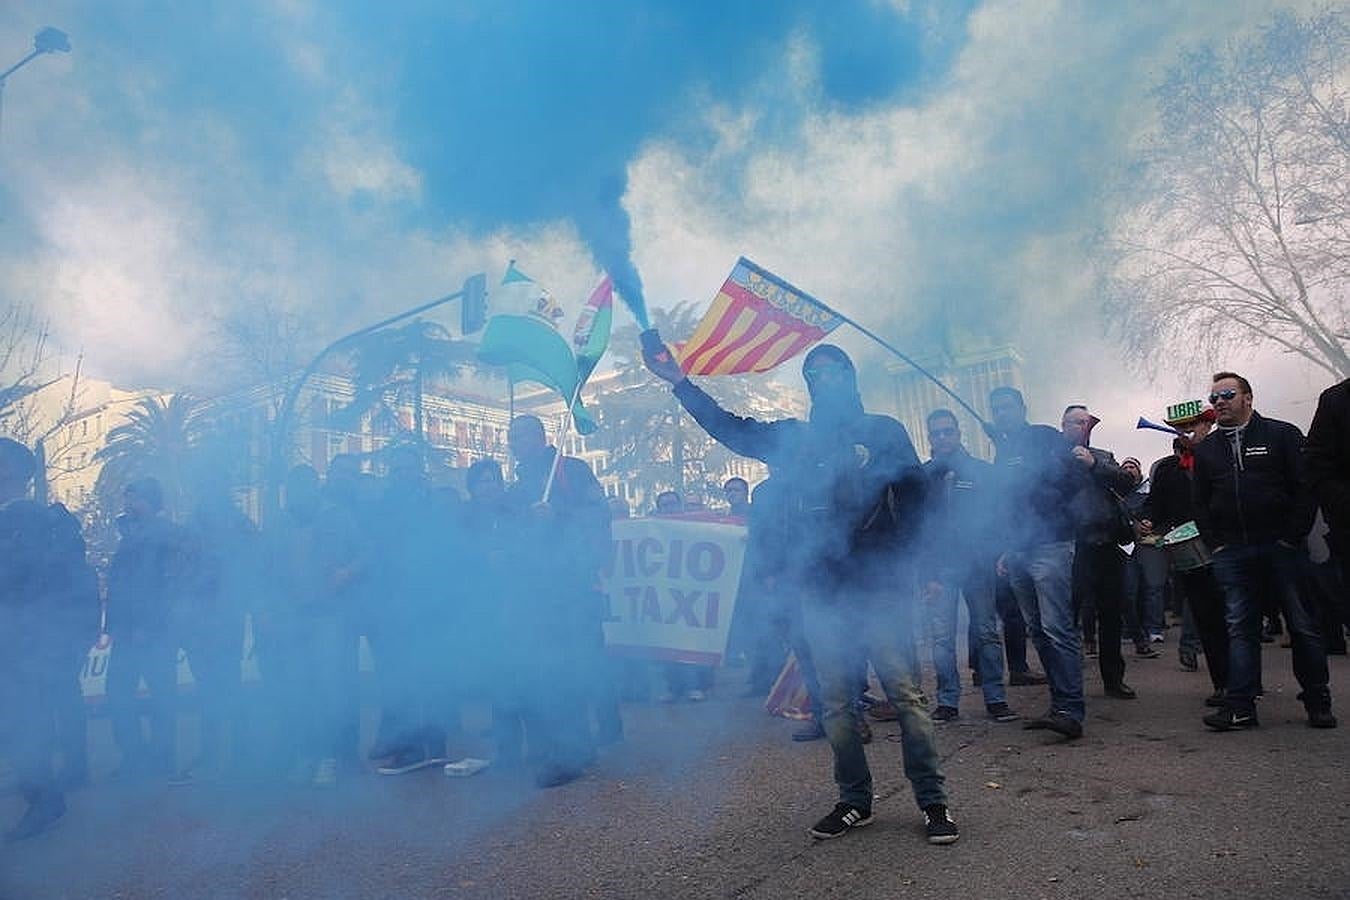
pixel 920 369
pixel 557 455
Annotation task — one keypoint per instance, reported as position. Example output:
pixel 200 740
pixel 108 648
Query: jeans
pixel 1204 606
pixel 1253 576
pixel 845 632
pixel 1014 628
pixel 1099 582
pixel 976 584
pixel 1042 580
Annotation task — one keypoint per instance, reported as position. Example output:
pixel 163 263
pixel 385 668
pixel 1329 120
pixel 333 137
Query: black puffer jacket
pixel 1255 492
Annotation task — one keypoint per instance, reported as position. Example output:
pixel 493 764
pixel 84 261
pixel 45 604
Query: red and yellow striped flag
pixel 756 322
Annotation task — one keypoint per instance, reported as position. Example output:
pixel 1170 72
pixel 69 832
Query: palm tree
pixel 158 440
pixel 393 367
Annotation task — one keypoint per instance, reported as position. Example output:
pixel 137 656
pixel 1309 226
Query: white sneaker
pixel 465 767
pixel 325 773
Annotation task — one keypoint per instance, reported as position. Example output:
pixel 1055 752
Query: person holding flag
pixel 854 484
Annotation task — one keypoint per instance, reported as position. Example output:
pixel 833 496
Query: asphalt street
pixel 713 800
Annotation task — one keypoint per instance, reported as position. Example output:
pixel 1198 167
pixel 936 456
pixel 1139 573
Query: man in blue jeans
pixel 1254 509
pixel 853 487
pixel 1039 476
pixel 961 538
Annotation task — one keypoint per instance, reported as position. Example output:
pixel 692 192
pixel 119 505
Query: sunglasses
pixel 1225 394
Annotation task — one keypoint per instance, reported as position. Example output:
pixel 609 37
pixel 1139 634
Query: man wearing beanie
pixel 855 487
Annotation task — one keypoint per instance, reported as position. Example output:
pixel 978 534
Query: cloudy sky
pixel 918 165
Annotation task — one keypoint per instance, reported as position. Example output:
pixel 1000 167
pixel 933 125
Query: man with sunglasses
pixel 962 535
pixel 853 487
pixel 1254 509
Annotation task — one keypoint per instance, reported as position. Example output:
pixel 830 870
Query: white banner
pixel 672 588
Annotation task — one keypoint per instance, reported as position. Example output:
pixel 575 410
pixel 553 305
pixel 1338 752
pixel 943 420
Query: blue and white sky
pixel 906 161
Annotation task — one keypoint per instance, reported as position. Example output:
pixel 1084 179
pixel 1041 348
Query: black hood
pixel 841 403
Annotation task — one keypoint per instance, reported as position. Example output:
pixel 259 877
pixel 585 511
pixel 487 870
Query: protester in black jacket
pixel 1098 560
pixel 47 602
pixel 1328 458
pixel 1171 504
pixel 846 476
pixel 1039 477
pixel 1253 509
pixel 962 539
pixel 147 582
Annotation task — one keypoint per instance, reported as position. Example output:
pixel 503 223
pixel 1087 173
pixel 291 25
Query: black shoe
pixel 939 825
pixel 1025 679
pixel 556 776
pixel 1321 717
pixel 1065 724
pixel 841 819
pixel 946 714
pixel 1039 723
pixel 1229 719
pixel 1218 699
pixel 1001 712
pixel 1121 691
pixel 1146 651
pixel 811 731
pixel 1188 660
pixel 38 818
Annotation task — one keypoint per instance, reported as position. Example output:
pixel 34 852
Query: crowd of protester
pixel 858 555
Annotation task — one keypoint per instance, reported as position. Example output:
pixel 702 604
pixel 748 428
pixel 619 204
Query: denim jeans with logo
pixel 848 630
pixel 1249 574
pixel 976 584
pixel 1042 580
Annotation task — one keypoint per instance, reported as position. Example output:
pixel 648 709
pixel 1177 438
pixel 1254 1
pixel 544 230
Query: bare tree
pixel 1236 229
pixel 23 355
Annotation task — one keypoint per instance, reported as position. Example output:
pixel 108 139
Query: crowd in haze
pixel 858 554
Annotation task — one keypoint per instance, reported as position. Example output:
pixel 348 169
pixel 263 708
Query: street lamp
pixel 47 40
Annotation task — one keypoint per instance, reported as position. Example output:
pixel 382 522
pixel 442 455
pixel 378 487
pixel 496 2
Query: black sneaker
pixel 1147 651
pixel 1039 723
pixel 1321 717
pixel 841 819
pixel 1218 699
pixel 1065 724
pixel 1025 679
pixel 37 819
pixel 1001 712
pixel 1229 719
pixel 1120 691
pixel 1187 659
pixel 940 827
pixel 552 776
pixel 945 714
pixel 811 731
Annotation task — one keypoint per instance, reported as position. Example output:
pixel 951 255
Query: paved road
pixel 713 800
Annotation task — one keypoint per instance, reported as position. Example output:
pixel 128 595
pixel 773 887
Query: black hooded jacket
pixel 851 483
